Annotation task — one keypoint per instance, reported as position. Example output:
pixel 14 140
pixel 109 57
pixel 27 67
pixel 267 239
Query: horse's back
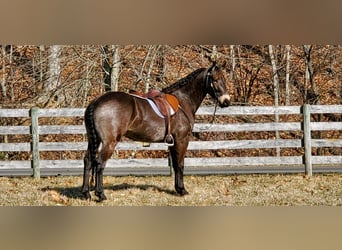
pixel 113 98
pixel 117 114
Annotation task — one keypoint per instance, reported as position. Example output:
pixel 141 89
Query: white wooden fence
pixel 307 162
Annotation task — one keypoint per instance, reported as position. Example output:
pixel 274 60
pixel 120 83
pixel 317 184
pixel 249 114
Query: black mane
pixel 183 81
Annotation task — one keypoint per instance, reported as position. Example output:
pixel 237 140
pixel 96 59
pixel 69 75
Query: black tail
pixel 92 138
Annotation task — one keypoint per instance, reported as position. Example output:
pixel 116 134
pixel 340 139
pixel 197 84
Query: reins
pixel 214 115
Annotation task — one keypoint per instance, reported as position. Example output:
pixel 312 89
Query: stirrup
pixel 169 141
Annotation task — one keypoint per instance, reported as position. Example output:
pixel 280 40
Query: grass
pixel 214 190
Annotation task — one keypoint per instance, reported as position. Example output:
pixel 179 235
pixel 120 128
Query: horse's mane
pixel 183 81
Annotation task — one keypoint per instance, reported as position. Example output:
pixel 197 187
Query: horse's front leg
pixel 177 155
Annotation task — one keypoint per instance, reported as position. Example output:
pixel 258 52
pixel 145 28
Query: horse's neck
pixel 192 94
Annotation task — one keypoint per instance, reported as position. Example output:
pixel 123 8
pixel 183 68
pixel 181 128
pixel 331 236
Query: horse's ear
pixel 212 66
pixel 222 64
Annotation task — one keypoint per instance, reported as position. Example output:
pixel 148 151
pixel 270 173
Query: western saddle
pixel 165 104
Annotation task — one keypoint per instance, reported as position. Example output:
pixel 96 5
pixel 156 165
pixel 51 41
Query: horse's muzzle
pixel 224 101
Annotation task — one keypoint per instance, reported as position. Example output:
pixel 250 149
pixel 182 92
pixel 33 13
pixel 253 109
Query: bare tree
pixel 155 49
pixel 276 87
pixel 54 69
pixel 232 61
pixel 245 75
pixel 275 75
pixel 311 95
pixel 116 68
pixel 287 75
pixel 37 74
pixel 214 54
pixel 41 68
pixel 11 72
pixel 3 79
pixel 107 68
pixel 161 64
pixel 111 66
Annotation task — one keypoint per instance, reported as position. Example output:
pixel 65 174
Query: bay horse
pixel 117 114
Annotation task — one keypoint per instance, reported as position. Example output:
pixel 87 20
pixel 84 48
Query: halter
pixel 209 85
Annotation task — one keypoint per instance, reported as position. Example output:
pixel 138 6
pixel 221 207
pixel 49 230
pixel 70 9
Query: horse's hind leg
pixel 86 173
pixel 105 153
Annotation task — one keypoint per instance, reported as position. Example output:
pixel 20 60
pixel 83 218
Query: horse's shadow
pixel 75 192
pixel 144 187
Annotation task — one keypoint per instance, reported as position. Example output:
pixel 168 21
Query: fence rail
pixel 307 162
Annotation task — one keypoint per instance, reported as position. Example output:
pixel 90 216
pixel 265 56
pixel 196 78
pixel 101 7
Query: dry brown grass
pixel 230 190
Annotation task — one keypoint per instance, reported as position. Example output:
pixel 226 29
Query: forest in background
pixel 71 76
pixel 61 76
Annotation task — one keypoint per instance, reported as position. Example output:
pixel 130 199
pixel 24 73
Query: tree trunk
pixel 232 60
pixel 41 60
pixel 287 76
pixel 148 76
pixel 311 95
pixel 214 55
pixel 276 88
pixel 107 68
pixel 11 73
pixel 111 67
pixel 238 89
pixel 54 70
pixel 161 65
pixel 275 76
pixel 3 79
pixel 114 83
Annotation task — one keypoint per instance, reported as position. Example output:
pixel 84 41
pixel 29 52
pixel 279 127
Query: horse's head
pixel 216 84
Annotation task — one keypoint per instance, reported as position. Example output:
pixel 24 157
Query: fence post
pixel 307 139
pixel 35 142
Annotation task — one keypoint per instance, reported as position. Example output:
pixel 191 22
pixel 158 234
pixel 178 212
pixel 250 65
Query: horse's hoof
pixel 101 196
pixel 87 196
pixel 182 192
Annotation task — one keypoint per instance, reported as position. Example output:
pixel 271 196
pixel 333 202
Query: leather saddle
pixel 167 104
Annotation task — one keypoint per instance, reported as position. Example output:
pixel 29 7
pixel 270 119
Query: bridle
pixel 209 82
pixel 209 85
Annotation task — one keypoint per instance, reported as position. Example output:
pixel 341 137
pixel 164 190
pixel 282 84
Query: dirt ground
pixel 214 190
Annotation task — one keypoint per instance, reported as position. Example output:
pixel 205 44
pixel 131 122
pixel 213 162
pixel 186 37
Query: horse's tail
pixel 93 141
